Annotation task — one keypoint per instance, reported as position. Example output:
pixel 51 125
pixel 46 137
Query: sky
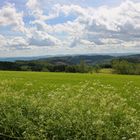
pixel 54 27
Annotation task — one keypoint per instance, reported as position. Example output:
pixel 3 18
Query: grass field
pixel 58 106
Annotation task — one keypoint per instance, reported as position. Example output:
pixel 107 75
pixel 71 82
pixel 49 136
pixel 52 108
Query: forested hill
pixel 69 59
pixel 132 58
pixel 88 59
pixel 78 63
pixel 74 60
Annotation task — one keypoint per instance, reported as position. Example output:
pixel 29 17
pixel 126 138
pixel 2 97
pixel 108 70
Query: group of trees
pixel 120 66
pixel 125 67
pixel 44 66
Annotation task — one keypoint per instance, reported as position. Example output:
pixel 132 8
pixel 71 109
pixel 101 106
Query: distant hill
pixel 52 57
pixel 73 63
pixel 74 60
pixel 89 59
pixel 132 58
pixel 13 59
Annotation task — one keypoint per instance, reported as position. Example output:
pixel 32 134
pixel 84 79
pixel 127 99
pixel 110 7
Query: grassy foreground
pixel 58 106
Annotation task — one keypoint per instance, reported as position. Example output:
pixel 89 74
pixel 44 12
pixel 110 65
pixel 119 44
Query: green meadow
pixel 63 106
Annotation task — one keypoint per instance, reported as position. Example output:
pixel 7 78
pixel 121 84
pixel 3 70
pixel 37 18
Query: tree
pixel 97 68
pixel 83 68
pixel 71 69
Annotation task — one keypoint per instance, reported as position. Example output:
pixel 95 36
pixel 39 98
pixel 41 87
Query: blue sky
pixel 50 27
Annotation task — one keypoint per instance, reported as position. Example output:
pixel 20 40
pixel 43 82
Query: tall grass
pixel 89 110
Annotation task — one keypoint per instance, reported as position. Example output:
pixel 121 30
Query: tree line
pixel 44 67
pixel 120 66
pixel 124 67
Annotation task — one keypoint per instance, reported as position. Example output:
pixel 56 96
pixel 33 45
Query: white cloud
pixel 40 38
pixel 117 23
pixel 101 29
pixel 17 43
pixel 110 24
pixel 2 41
pixel 14 43
pixel 35 7
pixel 9 16
pixel 87 43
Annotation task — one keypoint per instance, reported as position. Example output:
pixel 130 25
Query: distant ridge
pixel 74 59
pixel 13 59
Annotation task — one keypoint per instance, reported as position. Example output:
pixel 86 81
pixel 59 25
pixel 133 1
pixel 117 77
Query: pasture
pixel 63 106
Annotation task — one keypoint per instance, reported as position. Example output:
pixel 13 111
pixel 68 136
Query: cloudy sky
pixel 50 27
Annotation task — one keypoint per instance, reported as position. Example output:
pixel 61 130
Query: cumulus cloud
pixel 40 38
pixel 119 23
pixel 17 43
pixel 14 43
pixel 9 16
pixel 100 29
pixel 35 7
pixel 103 25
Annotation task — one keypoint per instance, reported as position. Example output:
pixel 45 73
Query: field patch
pixel 69 106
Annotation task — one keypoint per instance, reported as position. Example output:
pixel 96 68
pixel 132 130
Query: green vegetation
pixel 106 71
pixel 78 64
pixel 82 67
pixel 58 106
pixel 125 67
